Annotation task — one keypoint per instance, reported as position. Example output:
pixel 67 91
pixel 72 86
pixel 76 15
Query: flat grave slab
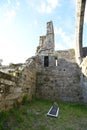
pixel 54 111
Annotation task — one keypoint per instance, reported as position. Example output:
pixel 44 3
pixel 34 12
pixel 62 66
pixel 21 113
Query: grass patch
pixel 32 116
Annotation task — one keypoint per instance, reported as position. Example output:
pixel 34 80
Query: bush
pixel 25 99
pixel 16 104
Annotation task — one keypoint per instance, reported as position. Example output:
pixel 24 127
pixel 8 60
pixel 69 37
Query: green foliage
pixel 16 105
pixel 32 116
pixel 25 99
pixel 17 129
pixel 3 119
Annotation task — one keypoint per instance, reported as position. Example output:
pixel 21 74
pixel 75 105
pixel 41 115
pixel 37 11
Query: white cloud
pixel 9 1
pixel 67 40
pixel 9 16
pixel 59 46
pixel 42 7
pixel 17 4
pixel 9 47
pixel 35 22
pixel 53 3
pixel 45 6
pixel 10 10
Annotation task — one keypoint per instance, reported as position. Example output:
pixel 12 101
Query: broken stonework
pixel 58 75
pixel 50 74
pixel 12 89
pixel 84 78
pixel 46 43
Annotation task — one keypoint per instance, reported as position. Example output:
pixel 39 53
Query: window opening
pixel 56 61
pixel 46 61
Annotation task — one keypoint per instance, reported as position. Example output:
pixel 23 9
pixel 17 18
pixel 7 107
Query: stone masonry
pixel 59 78
pixel 50 74
pixel 46 43
pixel 13 89
pixel 80 9
pixel 9 91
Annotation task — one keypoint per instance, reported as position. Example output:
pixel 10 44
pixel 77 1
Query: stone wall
pixel 27 79
pixel 51 74
pixel 13 89
pixel 46 43
pixel 9 91
pixel 80 11
pixel 84 49
pixel 59 77
pixel 68 55
pixel 61 82
pixel 84 78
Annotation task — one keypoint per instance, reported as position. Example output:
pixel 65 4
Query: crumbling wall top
pixel 46 42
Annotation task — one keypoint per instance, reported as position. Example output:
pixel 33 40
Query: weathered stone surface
pixel 84 66
pixel 13 89
pixel 80 9
pixel 61 78
pixel 84 78
pixel 59 82
pixel 51 74
pixel 46 43
pixel 8 88
pixel 27 79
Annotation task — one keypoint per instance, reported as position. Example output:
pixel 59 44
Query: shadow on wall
pixel 13 89
pixel 9 91
pixel 63 82
pixel 84 78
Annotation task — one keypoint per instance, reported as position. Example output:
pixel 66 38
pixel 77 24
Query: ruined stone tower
pixel 54 78
pixel 80 9
pixel 45 50
pixel 46 43
pixel 40 76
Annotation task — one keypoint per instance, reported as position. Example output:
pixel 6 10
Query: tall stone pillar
pixel 80 9
pixel 46 43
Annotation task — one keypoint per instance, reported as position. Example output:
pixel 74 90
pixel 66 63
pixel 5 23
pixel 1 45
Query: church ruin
pixel 58 75
pixel 50 74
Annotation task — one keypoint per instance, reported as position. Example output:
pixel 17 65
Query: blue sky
pixel 23 21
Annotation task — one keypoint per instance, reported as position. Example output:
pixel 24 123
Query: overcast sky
pixel 23 21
